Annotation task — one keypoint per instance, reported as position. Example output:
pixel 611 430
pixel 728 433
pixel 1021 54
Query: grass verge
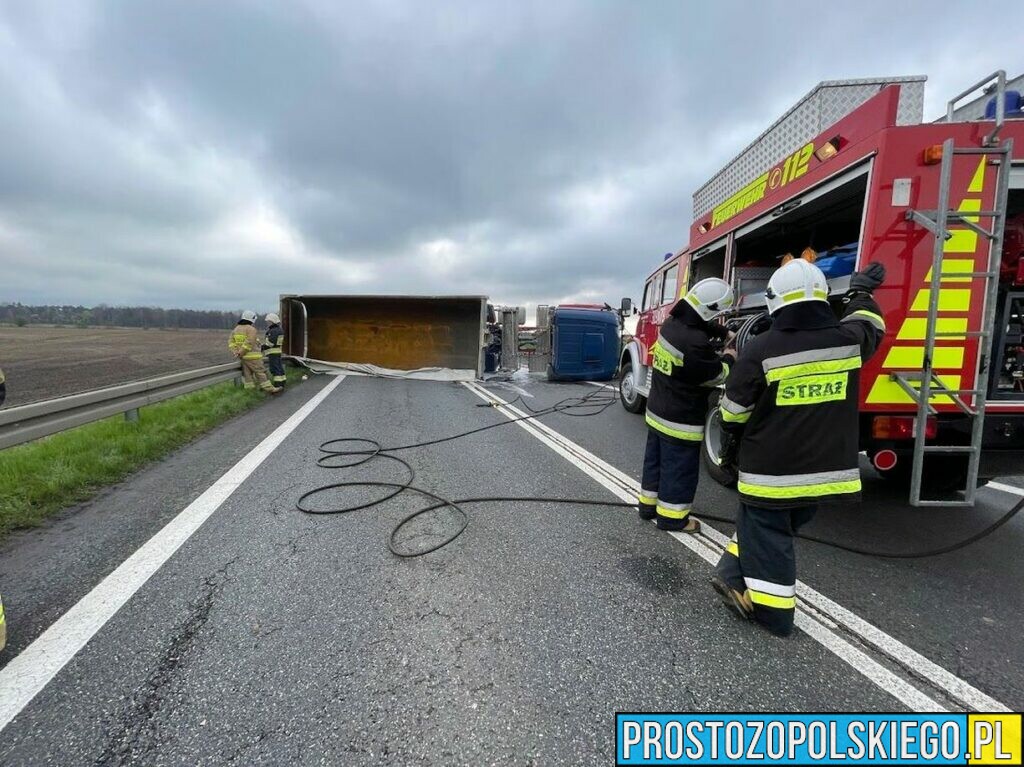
pixel 42 477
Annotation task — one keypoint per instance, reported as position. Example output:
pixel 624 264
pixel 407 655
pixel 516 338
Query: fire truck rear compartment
pixel 824 223
pixel 1007 382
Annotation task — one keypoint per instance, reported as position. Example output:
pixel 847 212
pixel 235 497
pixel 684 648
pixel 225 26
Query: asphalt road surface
pixel 274 637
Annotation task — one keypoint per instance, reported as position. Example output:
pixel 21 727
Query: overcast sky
pixel 214 154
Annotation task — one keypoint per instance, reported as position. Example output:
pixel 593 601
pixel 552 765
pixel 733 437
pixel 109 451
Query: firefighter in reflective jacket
pixel 790 406
pixel 685 369
pixel 272 349
pixel 245 345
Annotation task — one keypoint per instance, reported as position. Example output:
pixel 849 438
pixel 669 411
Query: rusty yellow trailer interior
pixel 397 332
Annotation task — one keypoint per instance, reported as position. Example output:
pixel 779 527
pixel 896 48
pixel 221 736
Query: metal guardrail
pixel 40 419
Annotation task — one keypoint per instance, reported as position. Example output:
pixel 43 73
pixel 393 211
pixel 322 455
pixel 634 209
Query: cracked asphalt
pixel 274 637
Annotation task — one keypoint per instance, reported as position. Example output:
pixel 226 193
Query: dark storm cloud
pixel 217 154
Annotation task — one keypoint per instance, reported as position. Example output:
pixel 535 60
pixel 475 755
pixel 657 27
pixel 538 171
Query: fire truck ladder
pixel 924 385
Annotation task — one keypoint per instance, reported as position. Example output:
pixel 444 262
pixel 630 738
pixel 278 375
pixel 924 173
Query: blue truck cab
pixel 585 344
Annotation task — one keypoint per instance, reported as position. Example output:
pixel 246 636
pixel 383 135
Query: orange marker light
pixel 933 154
pixel 829 149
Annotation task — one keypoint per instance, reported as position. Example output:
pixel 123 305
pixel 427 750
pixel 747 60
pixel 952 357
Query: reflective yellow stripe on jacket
pixel 719 379
pixel 812 362
pixel 733 413
pixel 685 431
pixel 665 356
pixel 787 486
pixel 864 314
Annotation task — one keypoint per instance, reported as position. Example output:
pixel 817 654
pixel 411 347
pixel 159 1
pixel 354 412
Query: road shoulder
pixel 46 570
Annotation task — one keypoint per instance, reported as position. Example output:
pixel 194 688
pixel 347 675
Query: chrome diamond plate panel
pixel 827 103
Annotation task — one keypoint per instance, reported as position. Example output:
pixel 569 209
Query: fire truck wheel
pixel 632 399
pixel 712 444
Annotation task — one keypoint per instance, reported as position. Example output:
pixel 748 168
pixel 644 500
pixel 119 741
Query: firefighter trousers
pixel 254 373
pixel 276 365
pixel 669 482
pixel 761 561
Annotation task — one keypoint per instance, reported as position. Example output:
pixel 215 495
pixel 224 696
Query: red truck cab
pixel 664 286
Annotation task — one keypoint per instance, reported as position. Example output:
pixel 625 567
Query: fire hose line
pixel 350 452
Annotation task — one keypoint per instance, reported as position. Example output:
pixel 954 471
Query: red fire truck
pixel 853 173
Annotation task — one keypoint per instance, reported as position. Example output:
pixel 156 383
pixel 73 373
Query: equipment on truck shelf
pixel 853 174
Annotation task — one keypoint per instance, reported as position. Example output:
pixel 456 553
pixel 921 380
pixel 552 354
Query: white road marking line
pixel 889 645
pixel 1012 489
pixel 868 632
pixel 625 487
pixel 28 673
pixel 892 647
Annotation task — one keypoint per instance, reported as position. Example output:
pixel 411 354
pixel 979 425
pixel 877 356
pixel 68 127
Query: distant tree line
pixel 119 316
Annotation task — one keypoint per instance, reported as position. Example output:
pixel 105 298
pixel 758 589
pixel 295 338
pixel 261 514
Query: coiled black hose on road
pixel 337 457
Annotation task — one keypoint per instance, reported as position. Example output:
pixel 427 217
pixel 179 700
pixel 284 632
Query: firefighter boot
pixel 688 525
pixel 738 602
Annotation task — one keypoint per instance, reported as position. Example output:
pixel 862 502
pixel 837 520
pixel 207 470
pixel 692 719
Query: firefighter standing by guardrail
pixel 791 405
pixel 272 348
pixel 245 345
pixel 686 368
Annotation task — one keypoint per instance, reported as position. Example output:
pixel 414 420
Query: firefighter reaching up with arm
pixel 685 370
pixel 790 404
pixel 244 343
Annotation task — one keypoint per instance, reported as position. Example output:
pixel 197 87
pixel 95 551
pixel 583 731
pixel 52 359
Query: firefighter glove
pixel 868 279
pixel 728 454
pixel 718 331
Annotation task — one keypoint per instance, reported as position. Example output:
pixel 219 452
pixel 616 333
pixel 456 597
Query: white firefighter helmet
pixel 249 315
pixel 796 281
pixel 272 319
pixel 710 297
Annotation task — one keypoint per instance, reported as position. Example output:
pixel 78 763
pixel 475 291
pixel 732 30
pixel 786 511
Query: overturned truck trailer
pixel 387 333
